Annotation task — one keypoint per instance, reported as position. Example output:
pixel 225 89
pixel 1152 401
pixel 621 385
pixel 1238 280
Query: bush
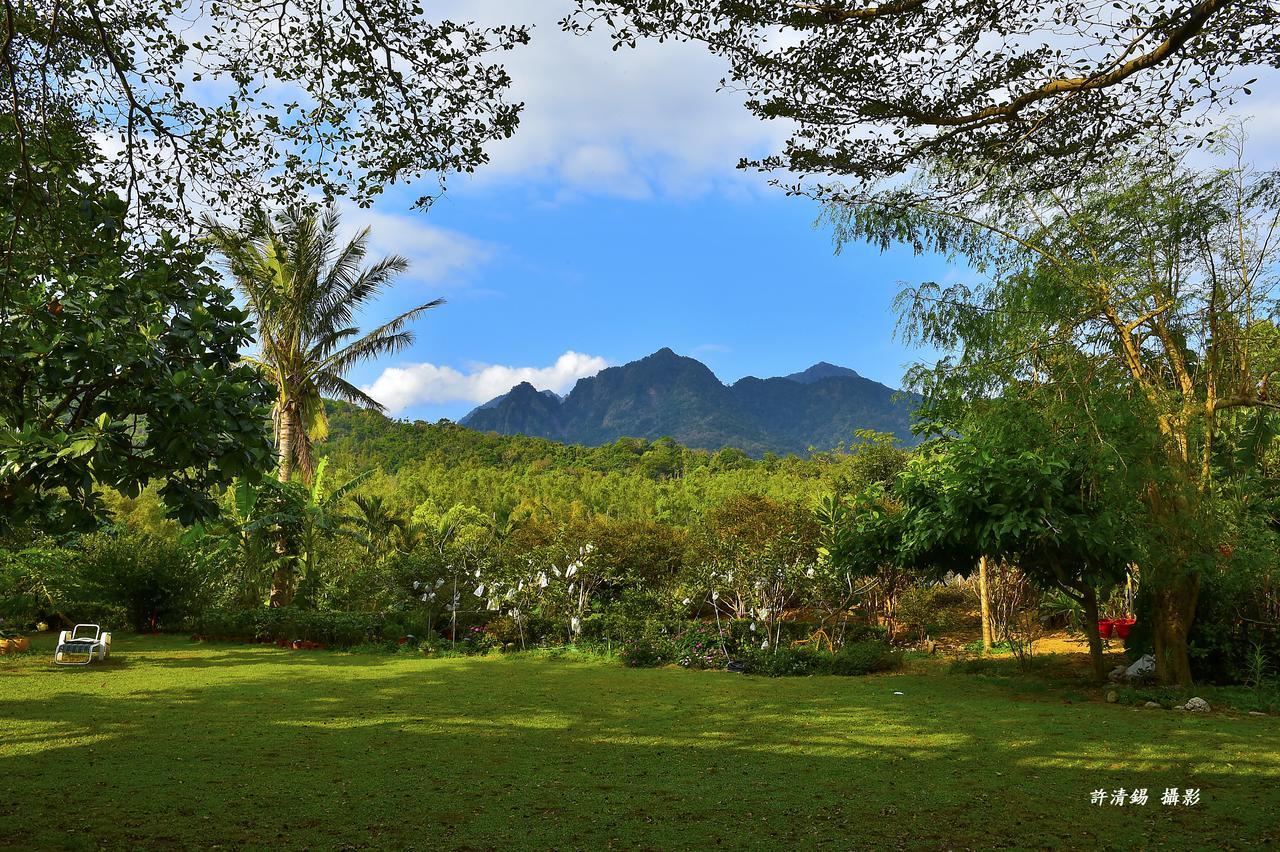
pixel 933 610
pixel 338 629
pixel 866 657
pixel 645 652
pixel 787 661
pixel 37 583
pixel 156 583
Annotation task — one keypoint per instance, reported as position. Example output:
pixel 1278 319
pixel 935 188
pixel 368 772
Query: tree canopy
pixel 875 89
pixel 208 103
pixel 122 362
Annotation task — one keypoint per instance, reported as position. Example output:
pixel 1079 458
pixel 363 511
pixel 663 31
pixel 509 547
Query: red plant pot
pixel 1123 626
pixel 1104 627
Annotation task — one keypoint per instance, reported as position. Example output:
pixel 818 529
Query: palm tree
pixel 375 523
pixel 303 290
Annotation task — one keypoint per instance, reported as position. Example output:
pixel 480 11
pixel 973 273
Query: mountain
pixel 821 370
pixel 670 395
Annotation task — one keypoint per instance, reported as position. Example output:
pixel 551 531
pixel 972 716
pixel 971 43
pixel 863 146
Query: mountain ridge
pixel 670 395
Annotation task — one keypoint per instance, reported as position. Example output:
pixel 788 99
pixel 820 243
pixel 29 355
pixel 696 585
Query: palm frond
pixel 336 387
pixel 387 339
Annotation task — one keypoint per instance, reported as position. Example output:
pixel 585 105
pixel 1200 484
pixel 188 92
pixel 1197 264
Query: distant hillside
pixel 669 395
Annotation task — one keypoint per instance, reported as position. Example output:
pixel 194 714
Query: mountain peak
pixel 668 394
pixel 822 370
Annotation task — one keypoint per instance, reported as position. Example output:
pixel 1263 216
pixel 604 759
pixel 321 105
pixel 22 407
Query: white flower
pixel 439 582
pixel 685 602
pixel 715 596
pixel 543 582
pixel 416 584
pixel 809 573
pixel 753 627
pixel 426 596
pixel 574 624
pixel 479 591
pixel 765 644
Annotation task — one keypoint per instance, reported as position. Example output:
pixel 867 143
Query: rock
pixel 1197 705
pixel 1112 696
pixel 1142 668
pixel 1154 704
pixel 1117 674
pixel 1256 713
pixel 1179 707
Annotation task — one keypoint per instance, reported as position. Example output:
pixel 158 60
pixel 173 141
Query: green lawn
pixel 181 745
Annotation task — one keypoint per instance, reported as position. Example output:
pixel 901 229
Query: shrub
pixel 932 610
pixel 155 582
pixel 865 657
pixel 787 661
pixel 339 629
pixel 697 647
pixel 645 652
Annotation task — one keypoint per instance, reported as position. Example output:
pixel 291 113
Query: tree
pixel 1153 285
pixel 121 359
pixel 376 524
pixel 274 97
pixel 303 291
pixel 1025 483
pixel 1044 87
pixel 754 555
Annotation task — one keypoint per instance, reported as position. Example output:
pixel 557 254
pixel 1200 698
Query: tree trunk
pixel 1175 606
pixel 1089 600
pixel 282 579
pixel 284 444
pixel 984 596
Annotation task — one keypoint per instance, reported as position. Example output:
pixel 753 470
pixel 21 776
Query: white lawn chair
pixel 80 645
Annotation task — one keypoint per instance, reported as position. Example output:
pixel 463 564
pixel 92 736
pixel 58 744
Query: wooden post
pixel 985 602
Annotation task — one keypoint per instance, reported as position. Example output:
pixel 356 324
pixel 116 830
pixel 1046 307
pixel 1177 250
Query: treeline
pixel 445 465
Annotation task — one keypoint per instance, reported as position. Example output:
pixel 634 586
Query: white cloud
pixel 417 384
pixel 627 123
pixel 435 254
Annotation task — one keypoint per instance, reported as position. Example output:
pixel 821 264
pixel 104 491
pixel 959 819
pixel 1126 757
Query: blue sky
pixel 614 223
pixel 746 285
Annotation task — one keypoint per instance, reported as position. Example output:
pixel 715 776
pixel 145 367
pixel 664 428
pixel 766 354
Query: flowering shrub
pixel 698 647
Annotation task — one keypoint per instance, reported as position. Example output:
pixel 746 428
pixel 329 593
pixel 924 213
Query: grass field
pixel 174 744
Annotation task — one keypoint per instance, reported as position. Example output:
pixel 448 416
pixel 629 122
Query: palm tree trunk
pixel 282 577
pixel 284 442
